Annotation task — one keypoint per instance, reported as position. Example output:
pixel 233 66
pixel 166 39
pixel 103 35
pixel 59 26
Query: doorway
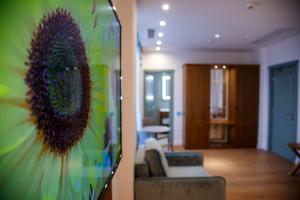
pixel 283 108
pixel 158 98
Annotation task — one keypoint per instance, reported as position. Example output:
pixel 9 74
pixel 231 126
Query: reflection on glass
pixel 149 88
pixel 166 79
pixel 219 94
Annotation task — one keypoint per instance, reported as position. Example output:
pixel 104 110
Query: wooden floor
pixel 252 174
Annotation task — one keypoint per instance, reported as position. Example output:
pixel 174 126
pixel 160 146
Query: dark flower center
pixel 64 79
pixel 59 81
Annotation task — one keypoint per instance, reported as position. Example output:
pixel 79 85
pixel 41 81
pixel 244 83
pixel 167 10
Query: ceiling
pixel 192 24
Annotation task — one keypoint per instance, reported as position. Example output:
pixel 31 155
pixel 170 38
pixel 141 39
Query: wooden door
pixel 247 91
pixel 196 103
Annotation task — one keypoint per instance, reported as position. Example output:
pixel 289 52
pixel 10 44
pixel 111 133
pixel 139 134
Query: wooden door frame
pixel 270 115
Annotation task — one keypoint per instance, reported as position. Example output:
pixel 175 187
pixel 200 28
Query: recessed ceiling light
pixel 165 7
pixel 217 36
pixel 158 42
pixel 224 67
pixel 162 23
pixel 160 34
pixel 157 48
pixel 216 66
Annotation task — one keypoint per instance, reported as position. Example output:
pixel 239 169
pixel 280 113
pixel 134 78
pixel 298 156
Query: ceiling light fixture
pixel 216 66
pixel 159 42
pixel 157 48
pixel 160 34
pixel 162 23
pixel 165 7
pixel 250 4
pixel 224 67
pixel 217 36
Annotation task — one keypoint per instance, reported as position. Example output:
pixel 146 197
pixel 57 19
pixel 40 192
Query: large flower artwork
pixel 60 133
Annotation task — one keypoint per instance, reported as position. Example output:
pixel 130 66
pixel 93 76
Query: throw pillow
pixel 154 162
pixel 153 144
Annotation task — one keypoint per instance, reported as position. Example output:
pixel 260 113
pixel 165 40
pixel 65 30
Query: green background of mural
pixel 26 171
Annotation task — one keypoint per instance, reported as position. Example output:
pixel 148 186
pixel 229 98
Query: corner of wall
pixel 123 181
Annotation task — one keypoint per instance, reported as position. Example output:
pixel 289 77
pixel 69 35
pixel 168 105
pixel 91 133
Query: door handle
pixel 291 116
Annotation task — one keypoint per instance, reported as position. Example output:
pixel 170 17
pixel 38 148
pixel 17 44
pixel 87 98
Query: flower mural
pixel 59 98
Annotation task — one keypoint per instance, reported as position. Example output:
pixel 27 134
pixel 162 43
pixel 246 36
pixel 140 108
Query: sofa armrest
pixel 200 188
pixel 141 170
pixel 184 159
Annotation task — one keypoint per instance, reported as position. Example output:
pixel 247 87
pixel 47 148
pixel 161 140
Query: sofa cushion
pixel 187 171
pixel 153 144
pixel 153 160
pixel 184 159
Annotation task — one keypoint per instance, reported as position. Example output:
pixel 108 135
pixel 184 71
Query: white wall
pixel 175 61
pixel 281 52
pixel 122 183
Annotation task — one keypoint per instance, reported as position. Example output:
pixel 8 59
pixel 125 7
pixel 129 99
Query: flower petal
pixel 75 169
pixel 51 178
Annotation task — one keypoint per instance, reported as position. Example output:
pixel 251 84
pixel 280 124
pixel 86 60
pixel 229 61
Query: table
pixel 295 148
pixel 156 129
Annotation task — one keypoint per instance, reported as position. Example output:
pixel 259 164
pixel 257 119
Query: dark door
pixel 247 90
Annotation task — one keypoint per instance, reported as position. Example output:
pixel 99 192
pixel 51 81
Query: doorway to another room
pixel 283 108
pixel 158 100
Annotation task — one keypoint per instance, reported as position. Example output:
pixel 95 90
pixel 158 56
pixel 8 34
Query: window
pixel 149 88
